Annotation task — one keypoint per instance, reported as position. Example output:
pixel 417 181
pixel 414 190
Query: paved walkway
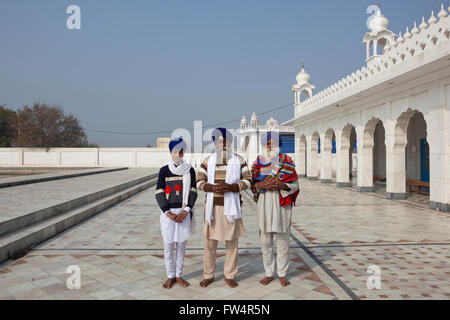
pixel 336 235
pixel 20 200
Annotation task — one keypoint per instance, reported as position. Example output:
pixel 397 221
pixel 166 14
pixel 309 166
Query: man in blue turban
pixel 275 189
pixel 176 194
pixel 222 176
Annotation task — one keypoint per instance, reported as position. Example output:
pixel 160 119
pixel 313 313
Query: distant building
pixel 249 137
pixel 162 142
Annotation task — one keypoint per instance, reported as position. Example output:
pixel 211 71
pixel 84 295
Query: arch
pixel 315 142
pixel 328 141
pixel 379 154
pixel 401 127
pixel 304 95
pixel 344 167
pixel 366 159
pixel 369 131
pixel 409 157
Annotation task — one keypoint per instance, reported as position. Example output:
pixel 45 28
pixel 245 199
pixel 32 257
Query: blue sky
pixel 145 66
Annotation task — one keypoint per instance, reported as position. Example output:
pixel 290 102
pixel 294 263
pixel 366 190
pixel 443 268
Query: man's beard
pixel 272 153
pixel 223 154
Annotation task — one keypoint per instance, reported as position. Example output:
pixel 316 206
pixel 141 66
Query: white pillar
pixel 342 160
pixel 395 161
pixel 325 169
pixel 365 162
pixel 134 158
pixel 437 134
pixel 253 146
pixel 21 160
pixel 368 50
pixel 300 155
pixel 312 172
pixel 58 157
pixel 97 157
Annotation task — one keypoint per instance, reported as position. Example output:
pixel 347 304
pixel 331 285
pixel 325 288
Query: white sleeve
pixel 293 186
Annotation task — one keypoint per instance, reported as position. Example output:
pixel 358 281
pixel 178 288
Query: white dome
pixel 379 23
pixel 271 122
pixel 303 77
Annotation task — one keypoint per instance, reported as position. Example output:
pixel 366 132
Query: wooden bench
pixel 419 184
pixel 378 178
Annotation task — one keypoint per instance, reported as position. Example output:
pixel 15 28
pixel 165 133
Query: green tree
pixel 5 129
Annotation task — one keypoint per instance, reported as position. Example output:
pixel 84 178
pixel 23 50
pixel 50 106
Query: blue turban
pixel 177 144
pixel 269 136
pixel 222 132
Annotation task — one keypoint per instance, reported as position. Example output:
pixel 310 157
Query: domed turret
pixel 378 36
pixel 271 122
pixel 303 77
pixel 254 121
pixel 244 122
pixel 302 85
pixel 379 23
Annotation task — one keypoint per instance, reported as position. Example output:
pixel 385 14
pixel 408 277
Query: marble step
pixel 27 179
pixel 22 221
pixel 28 237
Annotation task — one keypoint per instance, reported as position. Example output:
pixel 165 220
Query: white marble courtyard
pixel 336 234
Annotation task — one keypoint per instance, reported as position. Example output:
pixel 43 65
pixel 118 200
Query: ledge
pixel 396 196
pixel 343 184
pixel 365 189
pixel 444 207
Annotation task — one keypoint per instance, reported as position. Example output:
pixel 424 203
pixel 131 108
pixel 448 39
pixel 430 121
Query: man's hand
pixel 181 216
pixel 171 215
pixel 280 185
pixel 222 187
pixel 263 185
pixel 272 184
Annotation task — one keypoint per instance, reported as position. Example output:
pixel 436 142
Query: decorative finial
pixel 407 35
pixel 415 30
pixel 400 38
pixel 303 65
pixel 432 19
pixel 423 25
pixel 442 14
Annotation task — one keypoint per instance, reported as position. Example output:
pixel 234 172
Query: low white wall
pixel 90 157
pixel 93 157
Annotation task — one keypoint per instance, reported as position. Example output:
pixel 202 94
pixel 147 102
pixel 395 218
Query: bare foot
pixel 266 281
pixel 169 283
pixel 182 282
pixel 206 282
pixel 231 283
pixel 284 282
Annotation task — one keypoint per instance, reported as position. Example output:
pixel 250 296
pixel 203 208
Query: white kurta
pixel 271 216
pixel 173 231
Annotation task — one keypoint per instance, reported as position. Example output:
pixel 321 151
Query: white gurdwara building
pixel 395 111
